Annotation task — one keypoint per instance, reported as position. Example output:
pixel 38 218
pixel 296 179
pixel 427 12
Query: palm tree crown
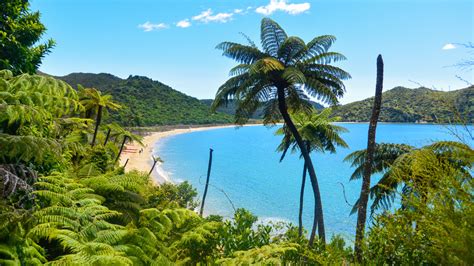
pixel 300 68
pixel 317 130
pixel 94 101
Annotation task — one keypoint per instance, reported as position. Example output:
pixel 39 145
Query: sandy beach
pixel 142 161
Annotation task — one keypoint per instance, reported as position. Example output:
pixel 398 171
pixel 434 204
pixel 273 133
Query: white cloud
pixel 183 23
pixel 148 26
pixel 449 46
pixel 206 16
pixel 238 11
pixel 282 5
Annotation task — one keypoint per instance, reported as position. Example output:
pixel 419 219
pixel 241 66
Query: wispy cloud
pixel 207 16
pixel 449 46
pixel 183 23
pixel 284 6
pixel 238 11
pixel 148 26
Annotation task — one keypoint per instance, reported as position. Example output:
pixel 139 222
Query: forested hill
pixel 230 108
pixel 147 102
pixel 414 105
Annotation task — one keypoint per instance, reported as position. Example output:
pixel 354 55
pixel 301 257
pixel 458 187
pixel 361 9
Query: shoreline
pixel 143 161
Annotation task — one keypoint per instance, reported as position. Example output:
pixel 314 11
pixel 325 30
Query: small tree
pixel 319 134
pixel 92 99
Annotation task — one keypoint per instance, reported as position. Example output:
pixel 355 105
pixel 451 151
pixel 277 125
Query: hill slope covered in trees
pixel 230 108
pixel 147 102
pixel 414 105
pixel 150 103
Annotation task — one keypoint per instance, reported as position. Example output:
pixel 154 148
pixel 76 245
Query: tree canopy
pixel 20 32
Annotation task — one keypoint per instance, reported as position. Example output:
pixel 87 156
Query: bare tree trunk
pixel 121 148
pixel 300 213
pixel 318 208
pixel 97 124
pixel 107 137
pixel 207 182
pixel 364 193
pixel 153 166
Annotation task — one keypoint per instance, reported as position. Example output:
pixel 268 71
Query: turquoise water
pixel 246 167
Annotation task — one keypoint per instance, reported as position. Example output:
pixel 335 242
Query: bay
pixel 246 172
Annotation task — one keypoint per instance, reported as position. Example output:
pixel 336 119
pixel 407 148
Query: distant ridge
pixel 414 105
pixel 148 102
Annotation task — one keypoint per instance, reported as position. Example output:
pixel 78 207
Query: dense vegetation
pixel 150 103
pixel 415 105
pixel 64 201
pixel 147 102
pixel 64 198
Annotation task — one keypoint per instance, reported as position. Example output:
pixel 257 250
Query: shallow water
pixel 246 170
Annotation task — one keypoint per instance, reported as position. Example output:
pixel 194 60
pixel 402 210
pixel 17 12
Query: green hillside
pixel 230 108
pixel 148 102
pixel 414 105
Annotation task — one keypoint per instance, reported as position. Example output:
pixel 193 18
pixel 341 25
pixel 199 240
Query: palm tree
pixel 319 134
pixel 364 192
pixel 399 163
pixel 127 135
pixel 92 99
pixel 113 130
pixel 280 77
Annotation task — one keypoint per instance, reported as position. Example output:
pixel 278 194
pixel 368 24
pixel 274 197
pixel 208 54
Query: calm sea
pixel 246 170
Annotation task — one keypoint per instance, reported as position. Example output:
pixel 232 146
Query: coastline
pixel 143 161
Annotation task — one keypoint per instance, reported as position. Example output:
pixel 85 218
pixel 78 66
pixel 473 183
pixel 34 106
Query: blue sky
pixel 174 41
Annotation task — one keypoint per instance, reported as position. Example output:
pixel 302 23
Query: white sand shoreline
pixel 143 161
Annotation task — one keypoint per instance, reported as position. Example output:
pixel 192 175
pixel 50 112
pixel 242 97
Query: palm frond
pixel 272 36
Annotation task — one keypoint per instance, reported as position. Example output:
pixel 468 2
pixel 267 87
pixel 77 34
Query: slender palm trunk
pixel 207 182
pixel 97 124
pixel 107 137
pixel 300 213
pixel 121 148
pixel 153 166
pixel 318 209
pixel 364 193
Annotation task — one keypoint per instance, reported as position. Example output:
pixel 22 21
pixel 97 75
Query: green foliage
pixel 412 105
pixel 437 224
pixel 20 30
pixel 401 164
pixel 242 233
pixel 31 107
pixel 64 201
pixel 168 195
pixel 284 64
pixel 147 102
pixel 272 254
pixel 317 130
